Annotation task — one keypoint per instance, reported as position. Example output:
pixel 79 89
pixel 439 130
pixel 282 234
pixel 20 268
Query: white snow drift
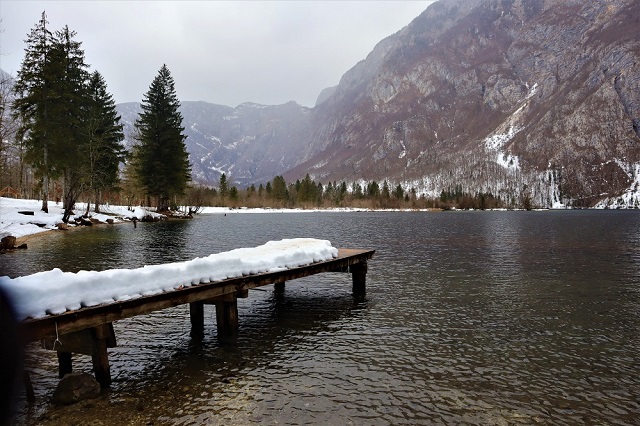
pixel 55 292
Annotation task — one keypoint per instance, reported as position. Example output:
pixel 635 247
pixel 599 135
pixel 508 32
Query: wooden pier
pixel 90 330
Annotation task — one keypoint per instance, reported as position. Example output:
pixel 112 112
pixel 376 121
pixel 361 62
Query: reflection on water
pixel 470 317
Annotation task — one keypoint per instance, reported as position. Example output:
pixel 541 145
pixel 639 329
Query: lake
pixel 469 317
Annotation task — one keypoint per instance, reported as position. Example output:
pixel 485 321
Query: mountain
pixel 524 99
pixel 251 143
pixel 522 96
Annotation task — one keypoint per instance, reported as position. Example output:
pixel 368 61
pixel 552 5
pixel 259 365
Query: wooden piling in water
pixel 196 314
pixel 359 278
pixel 279 287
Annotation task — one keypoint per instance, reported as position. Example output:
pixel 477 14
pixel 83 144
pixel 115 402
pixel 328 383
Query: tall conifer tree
pixel 70 107
pixel 223 186
pixel 34 97
pixel 161 159
pixel 104 135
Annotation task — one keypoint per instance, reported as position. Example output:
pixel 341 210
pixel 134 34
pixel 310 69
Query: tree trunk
pixel 45 183
pixel 45 193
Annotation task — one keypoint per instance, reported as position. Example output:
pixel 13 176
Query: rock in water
pixel 75 387
pixel 8 242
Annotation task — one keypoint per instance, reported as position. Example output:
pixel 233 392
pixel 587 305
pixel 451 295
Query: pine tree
pixel 223 186
pixel 162 161
pixel 104 136
pixel 34 97
pixel 279 189
pixel 69 111
pixel 50 101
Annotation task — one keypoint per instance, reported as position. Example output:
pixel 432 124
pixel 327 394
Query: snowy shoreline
pixel 35 221
pixel 23 226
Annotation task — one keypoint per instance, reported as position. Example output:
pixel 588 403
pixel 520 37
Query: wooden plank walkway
pixel 90 330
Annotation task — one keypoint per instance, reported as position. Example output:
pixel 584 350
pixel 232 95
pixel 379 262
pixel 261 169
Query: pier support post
pixel 196 311
pixel 227 316
pixel 279 287
pixel 103 337
pixel 28 387
pixel 359 277
pixel 65 365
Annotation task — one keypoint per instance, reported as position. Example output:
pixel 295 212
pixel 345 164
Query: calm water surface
pixel 470 317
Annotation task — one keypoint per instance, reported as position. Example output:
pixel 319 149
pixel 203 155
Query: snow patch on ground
pixel 508 161
pixel 499 140
pixel 55 292
pixel 507 131
pixel 20 225
pixel 630 198
pixel 320 164
pixel 403 153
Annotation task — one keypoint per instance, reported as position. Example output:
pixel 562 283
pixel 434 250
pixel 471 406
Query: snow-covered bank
pixel 225 210
pixel 19 225
pixel 55 291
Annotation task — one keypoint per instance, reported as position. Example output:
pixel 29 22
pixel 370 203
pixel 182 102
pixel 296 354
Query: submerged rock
pixel 75 387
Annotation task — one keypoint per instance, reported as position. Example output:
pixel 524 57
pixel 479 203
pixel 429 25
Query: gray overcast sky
pixel 221 52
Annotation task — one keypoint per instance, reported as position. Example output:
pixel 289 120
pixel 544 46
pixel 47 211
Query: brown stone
pixel 8 242
pixel 75 387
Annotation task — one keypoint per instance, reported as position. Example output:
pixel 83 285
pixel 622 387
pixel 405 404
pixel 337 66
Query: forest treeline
pixel 309 194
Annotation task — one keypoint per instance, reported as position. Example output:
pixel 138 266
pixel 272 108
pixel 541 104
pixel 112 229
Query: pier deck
pixel 90 330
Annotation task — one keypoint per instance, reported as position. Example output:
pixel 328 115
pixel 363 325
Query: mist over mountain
pixel 250 143
pixel 533 98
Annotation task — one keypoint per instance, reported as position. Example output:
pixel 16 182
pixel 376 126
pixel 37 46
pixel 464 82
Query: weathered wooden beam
pixel 95 316
pixel 81 341
pixel 229 297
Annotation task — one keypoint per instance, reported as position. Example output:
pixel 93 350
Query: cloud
pixel 220 52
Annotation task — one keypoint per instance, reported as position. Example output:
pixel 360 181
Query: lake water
pixel 469 317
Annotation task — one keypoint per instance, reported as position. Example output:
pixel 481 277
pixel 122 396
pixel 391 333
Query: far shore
pixel 29 228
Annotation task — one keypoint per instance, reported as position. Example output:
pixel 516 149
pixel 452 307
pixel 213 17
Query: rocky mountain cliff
pixel 520 98
pixel 512 97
